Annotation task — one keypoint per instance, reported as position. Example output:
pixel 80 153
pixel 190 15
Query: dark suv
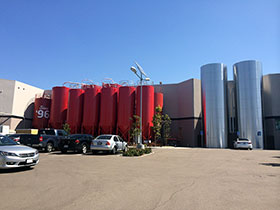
pixel 76 142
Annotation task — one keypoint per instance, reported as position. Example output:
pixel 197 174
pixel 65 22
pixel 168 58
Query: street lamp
pixel 140 76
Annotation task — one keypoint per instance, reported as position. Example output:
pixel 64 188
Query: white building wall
pixel 24 97
pixel 7 88
pixel 16 99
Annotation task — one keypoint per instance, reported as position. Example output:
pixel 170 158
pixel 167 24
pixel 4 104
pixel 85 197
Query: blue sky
pixel 45 43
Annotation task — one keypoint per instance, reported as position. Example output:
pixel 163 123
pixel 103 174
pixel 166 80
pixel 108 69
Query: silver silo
pixel 214 107
pixel 248 81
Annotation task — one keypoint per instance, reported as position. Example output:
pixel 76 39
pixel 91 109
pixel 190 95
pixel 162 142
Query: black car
pixel 76 142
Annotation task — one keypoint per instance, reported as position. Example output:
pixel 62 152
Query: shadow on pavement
pixel 276 156
pixel 271 164
pixel 65 153
pixel 77 153
pixel 15 170
pixel 100 153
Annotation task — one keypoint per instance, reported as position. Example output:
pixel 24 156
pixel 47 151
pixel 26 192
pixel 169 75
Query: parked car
pixel 109 143
pixel 243 143
pixel 46 139
pixel 76 142
pixel 13 155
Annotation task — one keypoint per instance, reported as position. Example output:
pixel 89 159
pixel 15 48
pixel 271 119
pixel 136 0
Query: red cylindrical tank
pixel 158 100
pixel 147 109
pixel 126 110
pixel 59 107
pixel 91 110
pixel 108 109
pixel 41 113
pixel 75 110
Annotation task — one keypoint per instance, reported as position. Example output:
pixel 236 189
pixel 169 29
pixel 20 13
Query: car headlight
pixel 8 154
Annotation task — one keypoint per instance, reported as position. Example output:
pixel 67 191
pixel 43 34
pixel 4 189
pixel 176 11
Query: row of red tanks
pixel 99 110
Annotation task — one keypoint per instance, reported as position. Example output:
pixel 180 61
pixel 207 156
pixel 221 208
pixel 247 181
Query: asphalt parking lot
pixel 190 178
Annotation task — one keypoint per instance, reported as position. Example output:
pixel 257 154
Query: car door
pixel 121 142
pixel 84 139
pixel 60 135
pixel 118 143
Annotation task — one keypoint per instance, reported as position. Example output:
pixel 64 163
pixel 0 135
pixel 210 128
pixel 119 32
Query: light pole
pixel 133 69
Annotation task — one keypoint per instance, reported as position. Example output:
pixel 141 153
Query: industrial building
pixel 271 110
pixel 210 112
pixel 16 103
pixel 182 102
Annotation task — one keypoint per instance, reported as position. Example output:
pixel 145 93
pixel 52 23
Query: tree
pixel 161 126
pixel 157 123
pixel 66 128
pixel 166 128
pixel 135 128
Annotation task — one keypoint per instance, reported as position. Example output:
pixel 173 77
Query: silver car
pixel 243 143
pixel 109 143
pixel 13 155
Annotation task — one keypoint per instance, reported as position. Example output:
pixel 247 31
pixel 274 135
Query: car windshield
pixel 243 139
pixel 75 136
pixel 47 132
pixel 104 137
pixel 4 141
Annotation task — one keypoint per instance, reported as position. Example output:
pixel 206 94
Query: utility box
pixel 4 129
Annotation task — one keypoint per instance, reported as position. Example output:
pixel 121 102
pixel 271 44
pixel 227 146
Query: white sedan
pixel 109 143
pixel 243 143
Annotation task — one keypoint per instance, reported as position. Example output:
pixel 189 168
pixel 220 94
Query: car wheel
pixel 125 149
pixel 49 147
pixel 114 150
pixel 84 148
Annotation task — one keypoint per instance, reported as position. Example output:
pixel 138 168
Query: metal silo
pixel 126 110
pixel 91 109
pixel 148 92
pixel 75 110
pixel 214 93
pixel 108 108
pixel 41 113
pixel 59 106
pixel 158 101
pixel 248 80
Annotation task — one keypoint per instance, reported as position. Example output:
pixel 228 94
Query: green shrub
pixel 147 150
pixel 137 152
